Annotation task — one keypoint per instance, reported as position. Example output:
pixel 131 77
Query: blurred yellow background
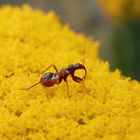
pixel 114 23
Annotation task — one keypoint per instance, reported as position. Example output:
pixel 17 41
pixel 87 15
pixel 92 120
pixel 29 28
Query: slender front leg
pixel 50 67
pixel 77 79
pixel 83 86
pixel 81 81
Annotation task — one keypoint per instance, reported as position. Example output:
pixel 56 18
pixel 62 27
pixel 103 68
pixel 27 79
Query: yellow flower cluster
pixel 30 40
pixel 121 10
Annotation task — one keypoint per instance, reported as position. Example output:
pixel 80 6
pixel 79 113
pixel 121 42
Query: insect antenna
pixel 84 56
pixel 83 61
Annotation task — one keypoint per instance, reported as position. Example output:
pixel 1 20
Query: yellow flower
pixel 121 10
pixel 30 40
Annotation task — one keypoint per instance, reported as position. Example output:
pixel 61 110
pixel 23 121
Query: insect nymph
pixel 50 79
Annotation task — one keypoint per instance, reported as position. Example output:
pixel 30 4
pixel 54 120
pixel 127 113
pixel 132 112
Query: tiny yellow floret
pixel 31 40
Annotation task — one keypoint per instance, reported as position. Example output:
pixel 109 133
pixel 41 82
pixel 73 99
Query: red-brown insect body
pixel 63 74
pixel 72 68
pixel 50 79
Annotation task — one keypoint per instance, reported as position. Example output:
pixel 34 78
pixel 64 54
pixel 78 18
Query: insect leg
pixel 50 67
pixel 81 81
pixel 77 79
pixel 31 86
pixel 84 87
pixel 67 89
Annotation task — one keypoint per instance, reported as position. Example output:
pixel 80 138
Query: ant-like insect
pixel 49 79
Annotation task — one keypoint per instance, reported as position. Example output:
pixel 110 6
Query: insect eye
pixel 70 67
